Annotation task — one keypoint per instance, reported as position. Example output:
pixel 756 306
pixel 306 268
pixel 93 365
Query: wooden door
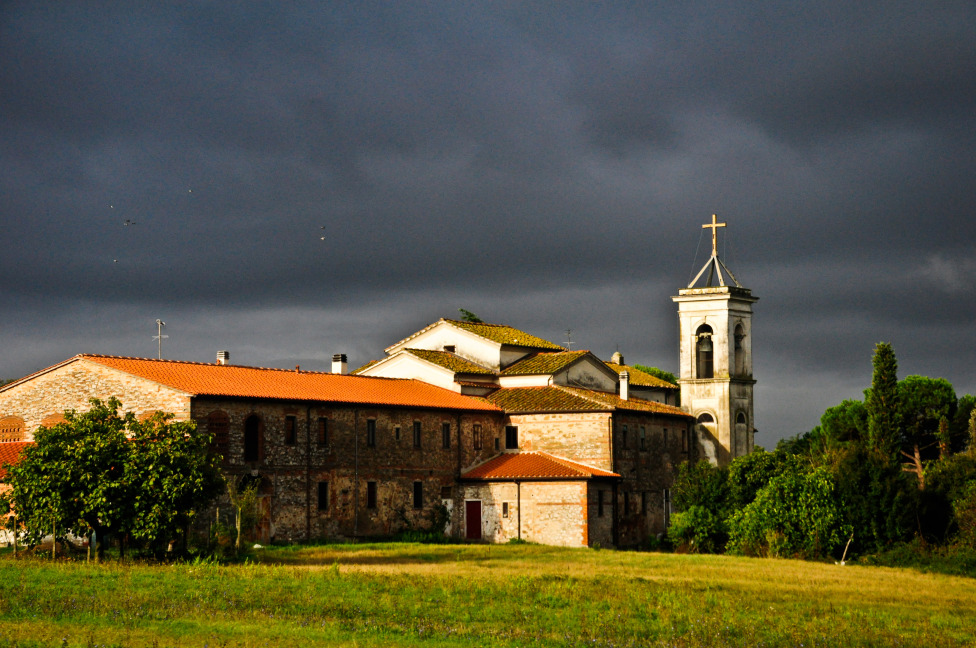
pixel 472 519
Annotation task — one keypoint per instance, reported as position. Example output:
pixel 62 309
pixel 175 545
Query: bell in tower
pixel 715 324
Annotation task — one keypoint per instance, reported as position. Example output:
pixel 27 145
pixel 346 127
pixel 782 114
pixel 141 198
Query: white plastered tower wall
pixel 715 349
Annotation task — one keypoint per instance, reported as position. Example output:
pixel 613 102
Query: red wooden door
pixel 472 519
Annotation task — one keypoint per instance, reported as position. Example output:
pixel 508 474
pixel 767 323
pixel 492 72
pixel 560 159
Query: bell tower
pixel 715 329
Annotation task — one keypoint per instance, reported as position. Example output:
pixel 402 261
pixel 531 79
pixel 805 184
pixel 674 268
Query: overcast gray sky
pixel 313 178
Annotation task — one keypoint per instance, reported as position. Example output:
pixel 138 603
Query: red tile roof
pixel 533 465
pixel 201 379
pixel 557 398
pixel 10 454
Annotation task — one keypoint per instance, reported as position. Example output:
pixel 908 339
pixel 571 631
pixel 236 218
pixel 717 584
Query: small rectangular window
pixel 498 444
pixel 667 507
pixel 504 509
pixel 323 433
pixel 446 493
pixel 290 430
pixel 371 495
pixel 416 434
pixel 396 432
pixel 323 496
pixel 418 495
pixel 599 503
pixel 624 436
pixel 446 435
pixel 643 501
pixel 684 440
pixel 511 437
pixel 370 433
pixel 477 436
pixel 643 439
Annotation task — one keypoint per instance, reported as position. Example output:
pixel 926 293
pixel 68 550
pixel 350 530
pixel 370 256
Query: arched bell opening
pixel 704 352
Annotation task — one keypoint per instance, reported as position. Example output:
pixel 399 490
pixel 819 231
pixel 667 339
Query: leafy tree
pixel 947 483
pixel 923 404
pixel 468 316
pixel 72 478
pixel 961 435
pixel 86 475
pixel 794 514
pixel 177 474
pixel 666 376
pixel 845 423
pixel 750 473
pixel 875 498
pixel 881 400
pixel 700 495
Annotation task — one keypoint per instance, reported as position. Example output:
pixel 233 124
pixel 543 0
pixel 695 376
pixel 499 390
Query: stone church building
pixel 509 435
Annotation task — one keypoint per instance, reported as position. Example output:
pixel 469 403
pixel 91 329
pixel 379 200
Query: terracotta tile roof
pixel 631 404
pixel 544 363
pixel 10 454
pixel 641 378
pixel 543 399
pixel 494 332
pixel 281 384
pixel 533 465
pixel 450 361
pixel 557 398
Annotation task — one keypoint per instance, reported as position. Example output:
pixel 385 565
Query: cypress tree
pixel 882 402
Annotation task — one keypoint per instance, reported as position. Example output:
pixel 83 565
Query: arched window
pixel 218 424
pixel 704 352
pixel 739 350
pixel 252 438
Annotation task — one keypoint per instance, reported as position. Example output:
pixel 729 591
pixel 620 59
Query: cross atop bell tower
pixel 714 265
pixel 714 226
pixel 715 328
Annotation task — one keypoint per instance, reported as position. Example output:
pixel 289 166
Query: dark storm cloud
pixel 306 178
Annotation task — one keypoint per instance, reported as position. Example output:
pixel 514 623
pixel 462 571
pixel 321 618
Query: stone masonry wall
pixel 580 437
pixel 320 487
pixel 647 469
pixel 43 399
pixel 552 512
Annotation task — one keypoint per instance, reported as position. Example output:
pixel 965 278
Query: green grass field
pixel 465 595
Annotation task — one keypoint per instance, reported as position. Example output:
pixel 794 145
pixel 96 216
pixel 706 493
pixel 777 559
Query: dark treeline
pixel 897 469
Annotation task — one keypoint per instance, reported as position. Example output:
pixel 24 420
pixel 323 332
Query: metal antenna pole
pixel 159 337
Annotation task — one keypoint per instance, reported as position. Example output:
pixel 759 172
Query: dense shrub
pixel 794 515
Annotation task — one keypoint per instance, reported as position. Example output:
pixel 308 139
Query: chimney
pixel 339 364
pixel 223 357
pixel 624 385
pixel 617 358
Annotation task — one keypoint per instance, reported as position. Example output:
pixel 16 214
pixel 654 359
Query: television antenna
pixel 159 337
